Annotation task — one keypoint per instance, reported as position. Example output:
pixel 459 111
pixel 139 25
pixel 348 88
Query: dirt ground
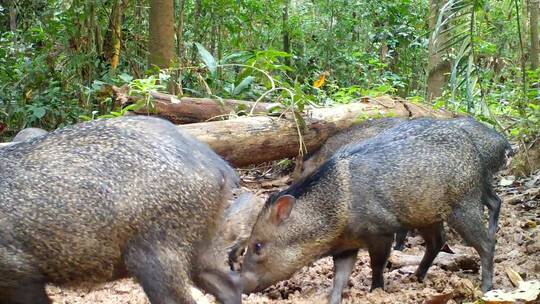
pixel 518 249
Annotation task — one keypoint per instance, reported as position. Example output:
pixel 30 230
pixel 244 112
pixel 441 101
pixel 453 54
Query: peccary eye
pixel 257 248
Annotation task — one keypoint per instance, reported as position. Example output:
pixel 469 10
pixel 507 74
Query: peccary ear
pixel 282 209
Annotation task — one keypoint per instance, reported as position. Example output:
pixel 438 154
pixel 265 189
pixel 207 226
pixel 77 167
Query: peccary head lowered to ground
pixel 415 175
pixel 106 199
pixel 235 229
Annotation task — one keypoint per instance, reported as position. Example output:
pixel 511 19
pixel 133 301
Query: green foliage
pixel 53 70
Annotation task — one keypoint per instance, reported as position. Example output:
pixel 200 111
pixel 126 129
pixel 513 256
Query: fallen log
pixel 190 110
pixel 256 139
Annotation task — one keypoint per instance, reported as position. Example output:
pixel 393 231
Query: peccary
pixel 241 216
pixel 106 199
pixel 491 145
pixel 235 228
pixel 28 133
pixel 415 175
pixel 354 134
pixel 493 149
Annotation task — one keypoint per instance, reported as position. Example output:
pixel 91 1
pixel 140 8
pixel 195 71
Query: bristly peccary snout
pixel 415 175
pixel 104 199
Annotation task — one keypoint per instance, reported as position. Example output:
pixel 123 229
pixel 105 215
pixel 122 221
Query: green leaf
pixel 125 77
pixel 207 58
pixel 38 112
pixel 85 117
pixel 243 85
pixel 239 57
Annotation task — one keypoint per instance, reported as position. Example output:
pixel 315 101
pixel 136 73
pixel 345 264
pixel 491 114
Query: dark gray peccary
pixel 355 134
pixel 415 175
pixel 102 200
pixel 494 149
pixel 492 146
pixel 29 133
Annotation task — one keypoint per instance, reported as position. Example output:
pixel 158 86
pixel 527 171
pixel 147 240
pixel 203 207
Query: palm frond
pixel 454 34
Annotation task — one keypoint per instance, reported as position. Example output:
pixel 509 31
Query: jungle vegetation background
pixel 60 58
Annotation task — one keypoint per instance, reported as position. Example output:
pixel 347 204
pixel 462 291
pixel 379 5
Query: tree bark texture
pixel 180 29
pixel 113 38
pixel 285 29
pixel 438 68
pixel 161 42
pixel 189 110
pixel 534 8
pixel 13 17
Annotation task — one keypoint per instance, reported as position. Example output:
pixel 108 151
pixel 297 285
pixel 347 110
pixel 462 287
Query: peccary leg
pixel 434 237
pixel 224 286
pixel 20 282
pixel 25 293
pixel 379 250
pixel 494 206
pixel 401 236
pixel 468 223
pixel 162 272
pixel 343 266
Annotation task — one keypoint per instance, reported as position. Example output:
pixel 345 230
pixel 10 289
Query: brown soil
pixel 518 249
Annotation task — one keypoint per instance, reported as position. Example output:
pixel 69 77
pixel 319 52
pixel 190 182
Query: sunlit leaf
pixel 527 291
pixel 319 82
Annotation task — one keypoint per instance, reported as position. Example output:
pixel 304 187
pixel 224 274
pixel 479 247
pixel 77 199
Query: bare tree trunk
pixel 138 18
pixel 383 51
pixel 196 26
pixel 180 29
pixel 98 39
pixel 213 32
pixel 355 26
pixel 330 32
pixel 285 26
pixel 161 42
pixel 438 67
pixel 524 23
pixel 180 45
pixel 13 17
pixel 113 38
pixel 535 45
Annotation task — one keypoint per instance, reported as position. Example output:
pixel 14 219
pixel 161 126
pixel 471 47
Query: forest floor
pixel 518 249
